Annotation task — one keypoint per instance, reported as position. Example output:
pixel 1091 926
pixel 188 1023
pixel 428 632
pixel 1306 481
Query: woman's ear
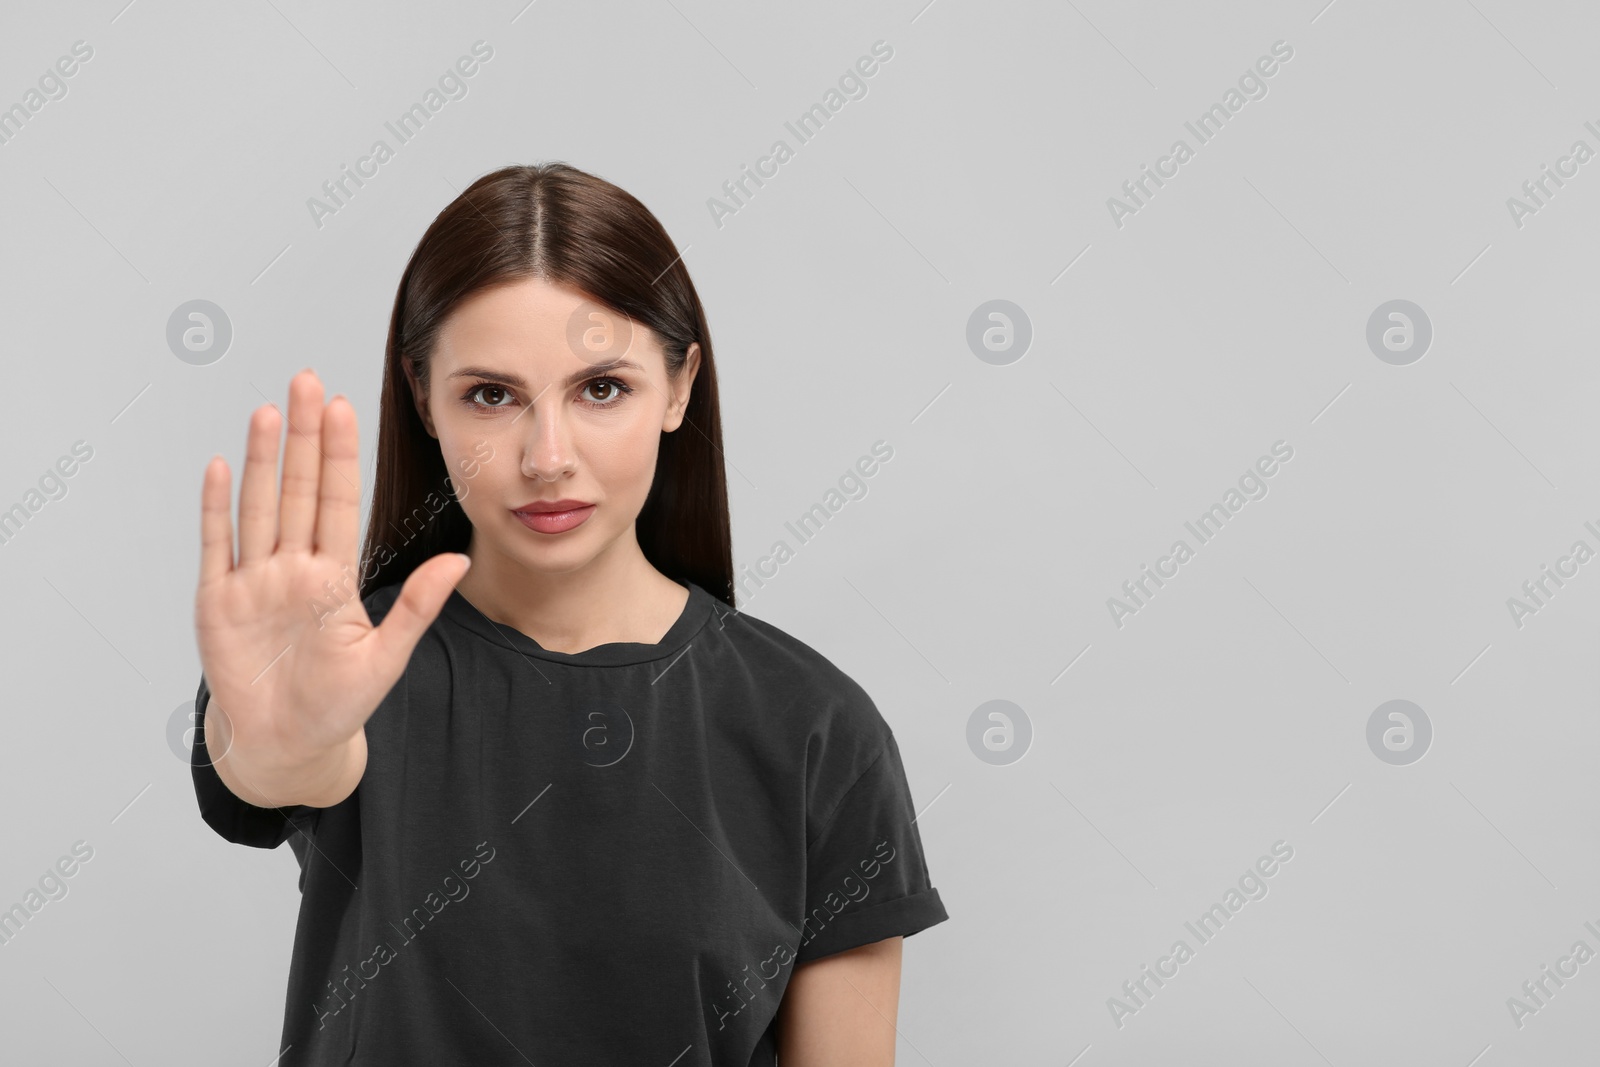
pixel 419 400
pixel 682 386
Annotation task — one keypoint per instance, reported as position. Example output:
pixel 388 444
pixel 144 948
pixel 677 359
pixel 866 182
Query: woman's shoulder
pixel 840 712
pixel 832 726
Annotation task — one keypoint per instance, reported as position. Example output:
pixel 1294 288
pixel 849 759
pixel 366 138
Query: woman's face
pixel 537 394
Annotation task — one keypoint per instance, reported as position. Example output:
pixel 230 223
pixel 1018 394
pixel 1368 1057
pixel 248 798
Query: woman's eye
pixel 610 391
pixel 497 390
pixel 596 393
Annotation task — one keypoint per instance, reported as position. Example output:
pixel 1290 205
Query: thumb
pixel 421 599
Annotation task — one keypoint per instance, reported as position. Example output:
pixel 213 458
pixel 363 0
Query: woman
pixel 553 799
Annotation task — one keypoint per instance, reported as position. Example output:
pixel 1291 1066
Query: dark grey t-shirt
pixel 612 856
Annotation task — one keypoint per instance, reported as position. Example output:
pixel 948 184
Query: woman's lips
pixel 552 522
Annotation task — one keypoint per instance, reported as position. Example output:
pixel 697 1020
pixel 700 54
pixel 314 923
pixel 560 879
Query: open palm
pixel 289 653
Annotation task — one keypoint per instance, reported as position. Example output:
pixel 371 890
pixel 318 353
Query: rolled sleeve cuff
pixel 900 917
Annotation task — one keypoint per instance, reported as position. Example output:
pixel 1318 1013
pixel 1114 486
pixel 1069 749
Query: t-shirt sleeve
pixel 866 874
pixel 230 816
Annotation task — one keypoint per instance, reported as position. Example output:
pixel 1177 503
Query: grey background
pixel 1229 313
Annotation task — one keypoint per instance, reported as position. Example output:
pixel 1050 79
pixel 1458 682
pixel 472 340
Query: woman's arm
pixel 839 1011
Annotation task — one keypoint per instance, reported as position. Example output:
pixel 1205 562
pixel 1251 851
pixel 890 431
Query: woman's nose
pixel 547 446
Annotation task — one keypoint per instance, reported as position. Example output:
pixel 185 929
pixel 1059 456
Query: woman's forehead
pixel 532 327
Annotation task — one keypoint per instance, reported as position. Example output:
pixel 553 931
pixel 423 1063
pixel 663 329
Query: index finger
pixel 339 495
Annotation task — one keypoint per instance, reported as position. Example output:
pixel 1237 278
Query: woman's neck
pixel 608 601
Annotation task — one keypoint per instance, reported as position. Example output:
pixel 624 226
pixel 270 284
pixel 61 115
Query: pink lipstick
pixel 553 516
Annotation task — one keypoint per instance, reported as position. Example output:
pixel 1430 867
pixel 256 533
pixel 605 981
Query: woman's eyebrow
pixel 516 381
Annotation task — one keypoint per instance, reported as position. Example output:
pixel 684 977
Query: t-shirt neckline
pixel 696 611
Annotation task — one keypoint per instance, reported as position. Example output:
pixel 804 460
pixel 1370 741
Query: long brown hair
pixel 555 222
